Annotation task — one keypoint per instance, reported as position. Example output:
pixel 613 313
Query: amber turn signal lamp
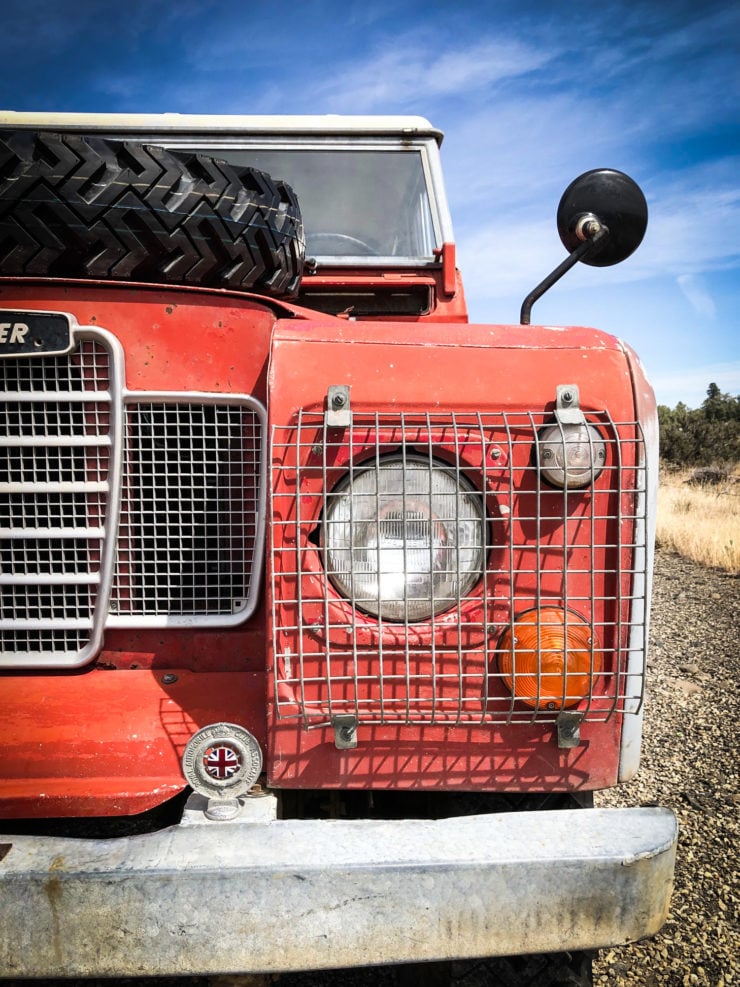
pixel 549 658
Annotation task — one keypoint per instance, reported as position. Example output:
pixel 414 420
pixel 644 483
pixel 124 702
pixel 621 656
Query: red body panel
pixel 427 369
pixel 174 339
pixel 109 743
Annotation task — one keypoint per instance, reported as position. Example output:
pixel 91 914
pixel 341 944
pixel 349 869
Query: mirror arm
pixel 581 251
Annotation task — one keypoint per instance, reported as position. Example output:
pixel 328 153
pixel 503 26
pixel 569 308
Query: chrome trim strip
pixel 642 588
pixel 106 534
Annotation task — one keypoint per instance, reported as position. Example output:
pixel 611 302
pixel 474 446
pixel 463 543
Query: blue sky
pixel 529 95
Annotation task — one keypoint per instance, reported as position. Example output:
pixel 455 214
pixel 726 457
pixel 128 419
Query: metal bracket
pixel 260 807
pixel 222 810
pixel 569 729
pixel 567 407
pixel 345 731
pixel 338 410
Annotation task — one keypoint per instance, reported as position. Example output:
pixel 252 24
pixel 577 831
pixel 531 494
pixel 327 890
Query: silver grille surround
pixel 69 607
pixel 76 597
pixel 330 659
pixel 163 608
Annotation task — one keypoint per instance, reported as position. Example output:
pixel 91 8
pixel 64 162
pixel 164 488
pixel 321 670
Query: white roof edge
pixel 331 124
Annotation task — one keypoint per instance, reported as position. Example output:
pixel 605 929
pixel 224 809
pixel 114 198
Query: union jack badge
pixel 223 760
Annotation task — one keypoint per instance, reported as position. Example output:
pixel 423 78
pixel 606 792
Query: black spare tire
pixel 91 207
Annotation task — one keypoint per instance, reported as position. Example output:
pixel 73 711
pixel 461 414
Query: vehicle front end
pixel 368 580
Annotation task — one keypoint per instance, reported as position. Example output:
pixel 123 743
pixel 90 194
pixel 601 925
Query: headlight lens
pixel 404 538
pixel 570 455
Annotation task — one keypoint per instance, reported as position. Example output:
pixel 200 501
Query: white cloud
pixel 413 70
pixel 506 262
pixel 695 290
pixel 695 216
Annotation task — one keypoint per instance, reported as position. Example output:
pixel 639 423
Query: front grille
pixel 191 513
pixel 582 551
pixel 57 435
pixel 184 473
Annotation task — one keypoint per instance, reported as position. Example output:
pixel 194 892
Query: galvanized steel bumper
pixel 254 896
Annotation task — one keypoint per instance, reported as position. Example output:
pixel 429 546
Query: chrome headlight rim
pixel 385 611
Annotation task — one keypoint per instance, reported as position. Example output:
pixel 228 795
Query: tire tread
pixel 90 207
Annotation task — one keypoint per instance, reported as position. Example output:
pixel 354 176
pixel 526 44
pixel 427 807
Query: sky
pixel 529 95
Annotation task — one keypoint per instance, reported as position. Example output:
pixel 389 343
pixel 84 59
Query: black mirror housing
pixel 602 218
pixel 616 201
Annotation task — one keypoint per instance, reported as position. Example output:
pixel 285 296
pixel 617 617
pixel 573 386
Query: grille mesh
pixel 190 511
pixel 190 491
pixel 55 457
pixel 579 550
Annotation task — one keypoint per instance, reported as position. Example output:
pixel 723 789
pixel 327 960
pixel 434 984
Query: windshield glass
pixel 355 203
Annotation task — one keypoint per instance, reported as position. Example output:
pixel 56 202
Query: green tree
pixel 705 436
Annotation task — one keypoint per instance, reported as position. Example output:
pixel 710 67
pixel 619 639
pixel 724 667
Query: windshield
pixel 355 203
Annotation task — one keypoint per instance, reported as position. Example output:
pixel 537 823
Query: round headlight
pixel 403 537
pixel 570 455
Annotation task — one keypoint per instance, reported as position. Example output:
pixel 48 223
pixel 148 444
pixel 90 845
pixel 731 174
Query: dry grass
pixel 700 522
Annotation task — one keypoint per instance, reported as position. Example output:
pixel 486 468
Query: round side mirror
pixel 616 201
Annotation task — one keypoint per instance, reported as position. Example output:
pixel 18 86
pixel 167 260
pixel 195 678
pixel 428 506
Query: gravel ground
pixel 690 763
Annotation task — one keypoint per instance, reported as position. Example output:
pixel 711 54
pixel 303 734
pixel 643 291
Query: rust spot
pixel 56 864
pixel 53 891
pixel 5 849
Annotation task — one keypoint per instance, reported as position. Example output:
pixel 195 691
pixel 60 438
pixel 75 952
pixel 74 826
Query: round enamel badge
pixel 222 760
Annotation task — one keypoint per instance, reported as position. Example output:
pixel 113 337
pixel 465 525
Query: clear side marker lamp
pixel 570 455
